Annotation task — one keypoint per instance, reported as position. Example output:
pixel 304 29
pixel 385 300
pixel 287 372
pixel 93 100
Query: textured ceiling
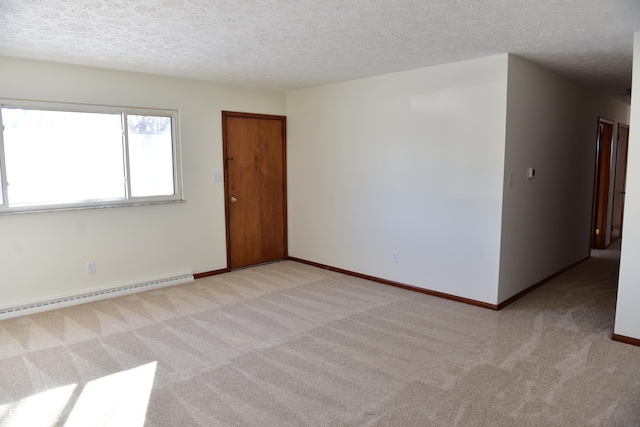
pixel 290 44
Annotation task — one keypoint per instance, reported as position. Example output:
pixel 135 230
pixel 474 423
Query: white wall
pixel 44 255
pixel 552 127
pixel 628 308
pixel 409 162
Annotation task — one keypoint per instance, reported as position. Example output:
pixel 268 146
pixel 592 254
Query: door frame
pixel 283 120
pixel 600 202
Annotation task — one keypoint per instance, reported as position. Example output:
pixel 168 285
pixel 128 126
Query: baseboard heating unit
pixel 97 295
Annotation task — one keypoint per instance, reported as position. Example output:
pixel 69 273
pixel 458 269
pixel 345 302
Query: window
pixel 56 156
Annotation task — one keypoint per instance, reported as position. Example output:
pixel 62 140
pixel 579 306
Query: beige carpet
pixel 286 344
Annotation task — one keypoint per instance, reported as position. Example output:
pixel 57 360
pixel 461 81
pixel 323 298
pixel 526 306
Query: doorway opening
pixel 620 178
pixel 601 185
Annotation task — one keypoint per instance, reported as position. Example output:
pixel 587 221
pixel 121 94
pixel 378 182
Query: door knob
pixel 233 199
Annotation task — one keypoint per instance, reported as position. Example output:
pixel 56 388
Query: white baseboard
pixel 66 301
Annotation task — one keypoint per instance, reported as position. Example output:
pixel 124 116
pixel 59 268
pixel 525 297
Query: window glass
pixel 150 155
pixel 57 157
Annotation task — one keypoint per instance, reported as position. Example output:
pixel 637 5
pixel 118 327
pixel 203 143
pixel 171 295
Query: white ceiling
pixel 290 44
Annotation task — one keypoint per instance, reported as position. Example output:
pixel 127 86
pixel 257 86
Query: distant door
pixel 254 150
pixel 619 182
pixel 601 194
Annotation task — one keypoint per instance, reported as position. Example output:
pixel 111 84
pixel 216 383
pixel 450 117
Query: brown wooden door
pixel 619 181
pixel 601 195
pixel 254 150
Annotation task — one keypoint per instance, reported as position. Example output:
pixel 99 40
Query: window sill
pixel 85 207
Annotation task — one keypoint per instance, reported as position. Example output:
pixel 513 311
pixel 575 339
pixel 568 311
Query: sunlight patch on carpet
pixel 42 409
pixel 115 400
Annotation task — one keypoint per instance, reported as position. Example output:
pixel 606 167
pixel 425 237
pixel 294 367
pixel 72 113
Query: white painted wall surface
pixel 552 127
pixel 44 255
pixel 628 308
pixel 409 162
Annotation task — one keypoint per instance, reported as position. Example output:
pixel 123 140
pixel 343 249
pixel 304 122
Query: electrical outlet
pixel 396 256
pixel 91 267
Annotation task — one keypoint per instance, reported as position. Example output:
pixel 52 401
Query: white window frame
pixel 128 199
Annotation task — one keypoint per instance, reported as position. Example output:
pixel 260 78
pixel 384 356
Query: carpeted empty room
pixel 287 344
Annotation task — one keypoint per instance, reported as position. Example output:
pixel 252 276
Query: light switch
pixel 531 172
pixel 218 176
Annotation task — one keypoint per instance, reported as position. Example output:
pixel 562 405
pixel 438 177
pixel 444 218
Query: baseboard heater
pixel 76 299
